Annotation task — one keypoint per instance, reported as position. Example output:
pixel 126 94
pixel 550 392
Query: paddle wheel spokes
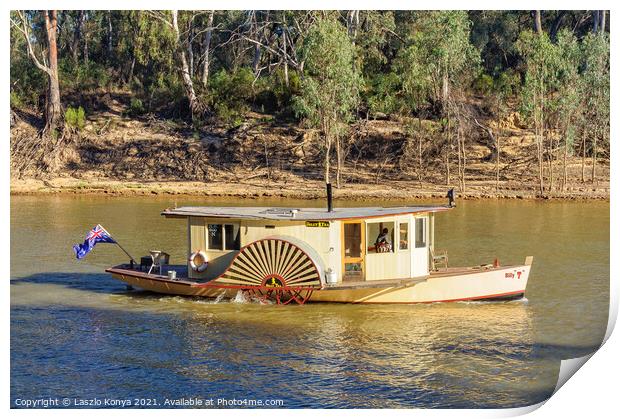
pixel 281 295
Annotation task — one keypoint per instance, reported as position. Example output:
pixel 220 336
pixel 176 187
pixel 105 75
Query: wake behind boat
pixel 341 255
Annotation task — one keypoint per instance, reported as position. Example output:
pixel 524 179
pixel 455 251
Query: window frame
pixel 223 233
pixel 424 222
pixel 408 236
pixel 392 238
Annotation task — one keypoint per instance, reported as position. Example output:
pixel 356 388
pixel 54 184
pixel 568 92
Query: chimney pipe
pixel 450 196
pixel 330 206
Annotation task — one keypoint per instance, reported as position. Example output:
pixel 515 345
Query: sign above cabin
pixel 317 223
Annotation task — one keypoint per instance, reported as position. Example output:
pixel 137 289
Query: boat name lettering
pixel 317 223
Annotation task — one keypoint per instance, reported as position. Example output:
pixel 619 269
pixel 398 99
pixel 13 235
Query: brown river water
pixel 77 333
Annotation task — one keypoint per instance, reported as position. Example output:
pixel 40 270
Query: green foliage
pixel 595 88
pixel 439 57
pixel 372 39
pixel 229 94
pixel 330 90
pixel 484 84
pixel 393 62
pixel 284 94
pixel 75 119
pixel 82 76
pixel 383 93
pixel 28 83
pixel 136 107
pixel 541 60
pixel 274 95
pixel 568 84
pixel 16 101
pixel 494 33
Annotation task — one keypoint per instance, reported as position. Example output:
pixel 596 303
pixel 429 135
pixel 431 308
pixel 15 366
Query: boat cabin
pixel 345 244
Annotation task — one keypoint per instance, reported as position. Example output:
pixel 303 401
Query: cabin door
pixel 353 251
pixel 420 250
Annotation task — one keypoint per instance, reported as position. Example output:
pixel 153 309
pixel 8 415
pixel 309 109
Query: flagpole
pixel 126 252
pixel 119 245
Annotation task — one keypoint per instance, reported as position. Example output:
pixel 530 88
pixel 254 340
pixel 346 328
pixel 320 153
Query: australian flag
pixel 94 236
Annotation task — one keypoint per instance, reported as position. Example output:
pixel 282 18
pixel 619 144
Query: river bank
pixel 115 154
pixel 297 188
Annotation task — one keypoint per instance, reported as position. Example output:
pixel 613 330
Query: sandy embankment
pixel 297 189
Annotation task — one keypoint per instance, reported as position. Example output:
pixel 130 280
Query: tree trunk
pixel 464 161
pixel 445 91
pixel 338 160
pixel 77 35
pixel 53 111
pixel 602 21
pixel 497 151
pixel 448 154
pixel 550 159
pixel 190 50
pixel 594 159
pixel 185 74
pixel 328 148
pixel 207 59
pixel 285 58
pixel 85 38
pixel 131 69
pixel 419 149
pixel 565 179
pixel 540 125
pixel 538 22
pixel 583 156
pixel 257 51
pixel 595 21
pixel 459 153
pixel 109 35
pixel 256 60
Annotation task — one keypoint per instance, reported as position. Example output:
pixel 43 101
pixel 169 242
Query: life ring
pixel 198 261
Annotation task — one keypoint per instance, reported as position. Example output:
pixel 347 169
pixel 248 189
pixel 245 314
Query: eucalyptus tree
pixel 45 58
pixel 595 90
pixel 540 57
pixel 417 85
pixel 439 48
pixel 182 43
pixel 504 86
pixel 569 97
pixel 330 87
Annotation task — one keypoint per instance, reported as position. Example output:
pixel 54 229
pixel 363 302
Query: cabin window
pixel 214 231
pixel 223 236
pixel 420 232
pixel 231 237
pixel 403 236
pixel 380 237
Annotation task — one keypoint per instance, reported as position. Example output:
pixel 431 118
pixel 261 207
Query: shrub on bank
pixel 75 119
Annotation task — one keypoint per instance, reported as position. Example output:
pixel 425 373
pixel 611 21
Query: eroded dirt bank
pixel 116 154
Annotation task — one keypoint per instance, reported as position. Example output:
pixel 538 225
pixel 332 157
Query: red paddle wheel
pixel 275 270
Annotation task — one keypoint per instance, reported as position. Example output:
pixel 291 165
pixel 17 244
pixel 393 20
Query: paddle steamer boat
pixel 339 255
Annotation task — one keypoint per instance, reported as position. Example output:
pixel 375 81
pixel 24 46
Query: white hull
pixel 497 283
pixel 445 286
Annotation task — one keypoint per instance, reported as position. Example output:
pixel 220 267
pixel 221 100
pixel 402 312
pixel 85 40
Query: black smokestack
pixel 450 197
pixel 330 206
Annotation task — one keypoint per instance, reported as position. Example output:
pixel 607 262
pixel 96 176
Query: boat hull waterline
pixel 465 284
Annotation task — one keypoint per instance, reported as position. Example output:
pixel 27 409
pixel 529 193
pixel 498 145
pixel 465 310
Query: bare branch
pixel 26 33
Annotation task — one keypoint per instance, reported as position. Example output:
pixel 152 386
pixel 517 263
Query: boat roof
pixel 297 214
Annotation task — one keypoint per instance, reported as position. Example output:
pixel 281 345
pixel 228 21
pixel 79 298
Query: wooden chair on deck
pixel 439 257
